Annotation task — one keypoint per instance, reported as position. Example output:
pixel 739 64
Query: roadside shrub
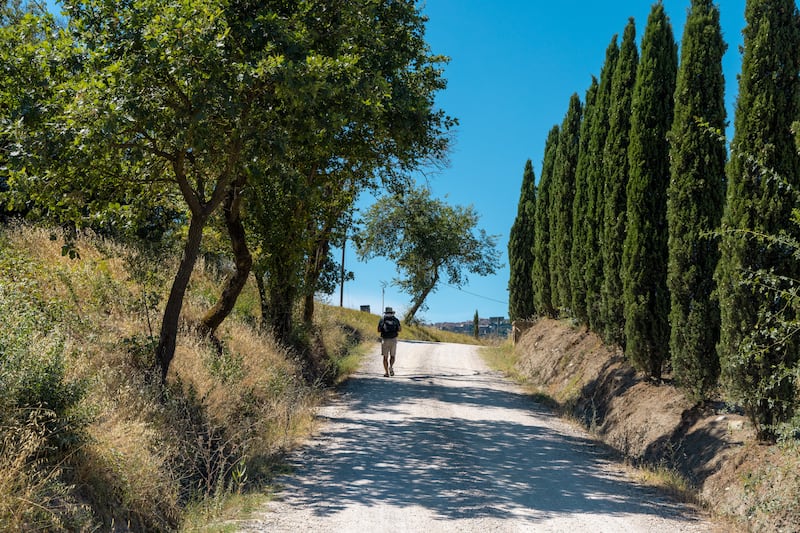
pixel 764 374
pixel 42 425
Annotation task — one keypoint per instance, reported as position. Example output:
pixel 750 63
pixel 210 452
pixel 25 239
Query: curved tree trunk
pixel 201 210
pixel 409 318
pixel 169 324
pixel 242 258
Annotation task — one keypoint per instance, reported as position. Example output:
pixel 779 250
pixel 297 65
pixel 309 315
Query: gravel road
pixel 449 445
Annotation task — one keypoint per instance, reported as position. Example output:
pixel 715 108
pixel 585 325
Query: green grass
pixel 224 515
pixel 501 357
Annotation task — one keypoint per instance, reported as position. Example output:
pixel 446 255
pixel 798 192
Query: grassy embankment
pixel 88 442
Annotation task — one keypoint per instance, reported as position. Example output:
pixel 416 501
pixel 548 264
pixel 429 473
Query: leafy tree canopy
pixel 191 101
pixel 429 241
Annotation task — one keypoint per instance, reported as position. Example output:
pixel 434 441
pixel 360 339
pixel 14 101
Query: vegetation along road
pixel 449 445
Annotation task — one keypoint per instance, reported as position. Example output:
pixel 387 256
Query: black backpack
pixel 391 325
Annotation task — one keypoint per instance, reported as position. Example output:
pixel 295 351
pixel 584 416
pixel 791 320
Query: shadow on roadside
pixel 378 453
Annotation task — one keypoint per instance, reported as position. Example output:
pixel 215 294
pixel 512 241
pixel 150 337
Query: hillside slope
pixel 90 441
pixel 712 446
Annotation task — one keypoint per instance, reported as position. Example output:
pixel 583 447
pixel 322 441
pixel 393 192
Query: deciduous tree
pixel 429 241
pixel 178 90
pixel 370 130
pixel 199 98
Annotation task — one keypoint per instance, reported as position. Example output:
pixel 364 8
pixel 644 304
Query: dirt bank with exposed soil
pixel 712 446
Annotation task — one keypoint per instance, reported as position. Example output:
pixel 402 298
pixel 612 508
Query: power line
pixel 476 295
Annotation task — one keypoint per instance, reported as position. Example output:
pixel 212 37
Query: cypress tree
pixel 757 368
pixel 598 131
pixel 562 197
pixel 695 200
pixel 580 233
pixel 542 293
pixel 644 255
pixel 520 250
pixel 615 168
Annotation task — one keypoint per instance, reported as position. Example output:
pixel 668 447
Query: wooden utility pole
pixel 341 286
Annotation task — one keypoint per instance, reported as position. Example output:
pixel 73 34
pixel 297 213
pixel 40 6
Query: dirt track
pixel 448 445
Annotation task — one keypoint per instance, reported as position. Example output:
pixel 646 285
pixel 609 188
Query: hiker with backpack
pixel 389 329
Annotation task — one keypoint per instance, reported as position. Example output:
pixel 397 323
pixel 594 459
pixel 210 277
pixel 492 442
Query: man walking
pixel 389 328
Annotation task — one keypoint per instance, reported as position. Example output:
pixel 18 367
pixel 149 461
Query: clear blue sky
pixel 514 65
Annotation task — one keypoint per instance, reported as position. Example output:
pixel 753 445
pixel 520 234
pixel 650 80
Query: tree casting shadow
pixel 458 468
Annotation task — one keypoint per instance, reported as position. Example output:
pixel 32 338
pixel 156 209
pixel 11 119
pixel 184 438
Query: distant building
pixel 494 326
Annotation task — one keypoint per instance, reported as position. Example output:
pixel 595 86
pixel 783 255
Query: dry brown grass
pixel 32 496
pixel 149 455
pixel 425 333
pixel 222 426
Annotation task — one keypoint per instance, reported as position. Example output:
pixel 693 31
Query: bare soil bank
pixel 712 446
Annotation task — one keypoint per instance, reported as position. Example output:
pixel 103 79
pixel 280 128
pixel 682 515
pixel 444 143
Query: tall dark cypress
pixel 520 250
pixel 562 196
pixel 644 255
pixel 595 177
pixel 763 161
pixel 540 278
pixel 695 200
pixel 615 168
pixel 580 206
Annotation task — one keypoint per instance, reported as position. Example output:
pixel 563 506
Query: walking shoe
pixel 386 375
pixel 391 371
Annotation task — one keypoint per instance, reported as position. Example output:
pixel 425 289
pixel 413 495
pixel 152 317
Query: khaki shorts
pixel 389 347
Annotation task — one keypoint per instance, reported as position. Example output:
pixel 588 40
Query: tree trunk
pixel 409 318
pixel 262 295
pixel 243 263
pixel 281 300
pixel 308 309
pixel 313 271
pixel 169 324
pixel 201 211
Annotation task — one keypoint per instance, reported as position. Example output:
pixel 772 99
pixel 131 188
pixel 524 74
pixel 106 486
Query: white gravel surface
pixel 449 445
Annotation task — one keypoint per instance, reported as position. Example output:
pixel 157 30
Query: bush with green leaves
pixel 756 280
pixel 766 385
pixel 32 369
